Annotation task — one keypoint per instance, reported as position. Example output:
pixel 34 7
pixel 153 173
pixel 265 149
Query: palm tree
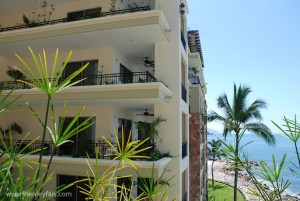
pixel 239 117
pixel 215 152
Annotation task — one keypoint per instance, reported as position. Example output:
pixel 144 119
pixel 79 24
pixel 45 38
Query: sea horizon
pixel 259 150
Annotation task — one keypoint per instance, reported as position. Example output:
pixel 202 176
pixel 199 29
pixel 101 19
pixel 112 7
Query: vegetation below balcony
pixel 66 20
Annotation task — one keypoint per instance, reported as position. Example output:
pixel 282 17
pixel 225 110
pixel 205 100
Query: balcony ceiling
pixel 133 34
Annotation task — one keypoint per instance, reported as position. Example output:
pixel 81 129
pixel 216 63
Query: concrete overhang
pixel 126 95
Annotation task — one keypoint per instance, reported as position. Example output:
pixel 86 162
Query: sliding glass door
pixel 81 142
pixel 90 73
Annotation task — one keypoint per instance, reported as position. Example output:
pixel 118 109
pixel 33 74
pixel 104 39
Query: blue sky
pixel 253 42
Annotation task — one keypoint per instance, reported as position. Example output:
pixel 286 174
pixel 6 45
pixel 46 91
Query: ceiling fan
pixel 146 113
pixel 148 63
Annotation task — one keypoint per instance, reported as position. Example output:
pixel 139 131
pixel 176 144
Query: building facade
pixel 140 68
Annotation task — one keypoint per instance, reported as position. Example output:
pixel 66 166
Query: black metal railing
pixel 184 149
pixel 101 79
pixel 74 149
pixel 183 41
pixel 183 93
pixel 66 20
pixel 27 146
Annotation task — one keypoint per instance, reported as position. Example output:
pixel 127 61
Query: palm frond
pixel 262 131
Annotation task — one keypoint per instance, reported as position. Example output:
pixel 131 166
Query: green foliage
pixel 274 176
pixel 127 151
pixel 47 12
pixel 151 188
pixel 239 117
pixel 4 101
pixel 215 151
pixel 150 130
pixel 194 70
pixel 13 128
pixel 15 74
pixel 156 155
pixel 291 129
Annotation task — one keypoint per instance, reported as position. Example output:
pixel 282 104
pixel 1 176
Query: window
pixel 84 14
pixel 88 73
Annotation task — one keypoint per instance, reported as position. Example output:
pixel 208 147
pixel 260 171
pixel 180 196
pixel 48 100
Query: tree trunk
pixel 235 166
pixel 212 172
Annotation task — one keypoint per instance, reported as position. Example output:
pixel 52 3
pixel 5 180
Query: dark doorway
pixel 126 75
pixel 72 193
pixel 126 183
pixel 127 125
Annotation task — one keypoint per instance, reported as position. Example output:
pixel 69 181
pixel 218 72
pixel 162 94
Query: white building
pixel 139 59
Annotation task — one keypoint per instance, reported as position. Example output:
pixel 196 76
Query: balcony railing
pixel 74 149
pixel 66 20
pixel 184 149
pixel 183 93
pixel 101 79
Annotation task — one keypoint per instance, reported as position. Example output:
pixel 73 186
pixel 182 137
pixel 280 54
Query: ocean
pixel 258 150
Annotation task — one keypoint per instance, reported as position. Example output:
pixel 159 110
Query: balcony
pixel 129 31
pixel 184 149
pixel 66 20
pixel 76 161
pixel 101 79
pixel 126 90
pixel 76 149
